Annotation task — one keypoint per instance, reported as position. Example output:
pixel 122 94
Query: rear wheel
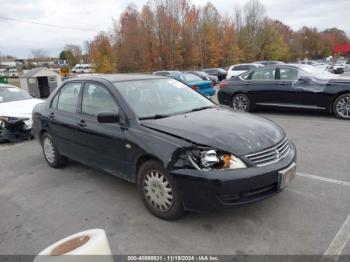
pixel 51 154
pixel 341 107
pixel 241 102
pixel 159 191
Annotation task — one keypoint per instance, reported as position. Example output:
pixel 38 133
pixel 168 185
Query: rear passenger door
pixel 101 145
pixel 261 85
pixel 63 118
pixel 286 93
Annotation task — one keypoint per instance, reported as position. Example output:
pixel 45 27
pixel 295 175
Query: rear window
pixel 241 68
pixel 190 78
pixel 162 73
pixel 10 94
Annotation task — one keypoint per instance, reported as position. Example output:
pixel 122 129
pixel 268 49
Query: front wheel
pixel 341 107
pixel 51 154
pixel 159 191
pixel 241 102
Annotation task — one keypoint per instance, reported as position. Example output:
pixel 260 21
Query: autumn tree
pixel 232 53
pixel 101 54
pixel 271 42
pixel 128 33
pixel 168 34
pixel 331 38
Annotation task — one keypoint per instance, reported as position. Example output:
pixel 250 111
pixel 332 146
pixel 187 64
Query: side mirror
pixel 108 117
pixel 305 79
pixel 32 95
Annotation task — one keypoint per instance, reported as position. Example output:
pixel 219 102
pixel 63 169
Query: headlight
pixel 209 159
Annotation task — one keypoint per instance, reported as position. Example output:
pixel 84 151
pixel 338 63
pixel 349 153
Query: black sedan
pixel 183 151
pixel 288 86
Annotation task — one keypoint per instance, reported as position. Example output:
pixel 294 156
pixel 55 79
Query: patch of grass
pixel 14 81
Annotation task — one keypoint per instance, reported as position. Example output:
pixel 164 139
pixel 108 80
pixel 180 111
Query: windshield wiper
pixel 200 108
pixel 156 116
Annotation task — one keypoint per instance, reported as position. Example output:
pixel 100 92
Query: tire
pixel 50 151
pixel 2 140
pixel 159 192
pixel 241 103
pixel 341 106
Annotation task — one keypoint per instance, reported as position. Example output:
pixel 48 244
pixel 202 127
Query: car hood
pixel 21 108
pixel 221 128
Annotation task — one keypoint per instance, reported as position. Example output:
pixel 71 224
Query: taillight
pixel 195 87
pixel 223 84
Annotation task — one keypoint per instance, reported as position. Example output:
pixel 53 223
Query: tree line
pixel 167 34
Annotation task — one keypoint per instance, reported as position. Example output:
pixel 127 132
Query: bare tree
pixel 39 53
pixel 238 17
pixel 254 16
pixel 76 53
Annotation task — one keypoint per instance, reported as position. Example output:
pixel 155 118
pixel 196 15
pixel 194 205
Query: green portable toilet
pixel 3 80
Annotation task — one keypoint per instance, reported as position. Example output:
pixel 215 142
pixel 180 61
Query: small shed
pixel 40 82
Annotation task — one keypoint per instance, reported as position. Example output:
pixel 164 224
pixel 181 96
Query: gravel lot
pixel 40 205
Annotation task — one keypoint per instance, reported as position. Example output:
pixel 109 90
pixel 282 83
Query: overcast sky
pixel 18 38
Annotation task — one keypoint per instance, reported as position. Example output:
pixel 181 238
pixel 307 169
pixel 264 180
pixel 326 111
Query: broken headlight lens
pixel 209 159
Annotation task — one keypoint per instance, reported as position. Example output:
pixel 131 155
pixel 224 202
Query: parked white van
pixel 78 68
pixel 13 73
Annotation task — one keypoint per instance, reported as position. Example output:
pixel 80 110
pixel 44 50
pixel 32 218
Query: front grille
pixel 271 155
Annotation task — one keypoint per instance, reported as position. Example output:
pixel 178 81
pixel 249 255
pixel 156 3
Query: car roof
pixel 247 64
pixel 117 77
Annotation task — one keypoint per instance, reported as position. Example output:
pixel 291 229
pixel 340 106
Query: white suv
pixel 236 70
pixel 78 68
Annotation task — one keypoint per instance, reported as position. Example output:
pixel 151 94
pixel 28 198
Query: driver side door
pixel 102 145
pixel 301 90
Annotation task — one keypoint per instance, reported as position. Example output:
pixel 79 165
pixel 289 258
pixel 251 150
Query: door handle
pixel 247 83
pixel 283 83
pixel 52 115
pixel 82 123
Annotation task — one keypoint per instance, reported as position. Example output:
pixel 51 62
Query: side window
pixel 246 76
pixel 288 74
pixel 68 98
pixel 264 74
pixel 97 99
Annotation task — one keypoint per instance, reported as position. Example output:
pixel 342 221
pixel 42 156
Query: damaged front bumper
pixel 209 190
pixel 14 129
